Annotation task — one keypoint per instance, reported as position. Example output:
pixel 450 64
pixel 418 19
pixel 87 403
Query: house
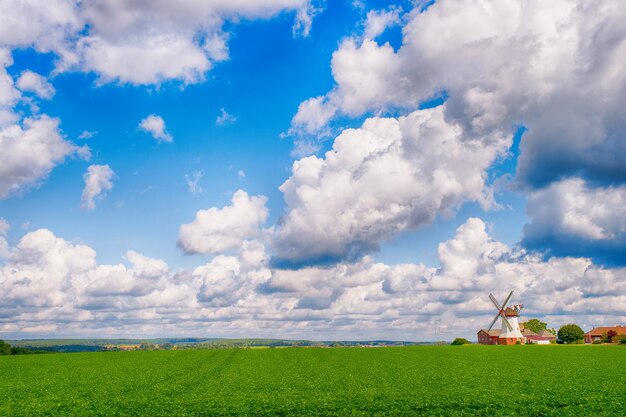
pixel 492 337
pixel 488 337
pixel 599 333
pixel 547 335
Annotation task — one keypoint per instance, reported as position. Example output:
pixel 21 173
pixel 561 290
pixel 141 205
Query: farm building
pixel 599 333
pixel 488 337
pixel 492 337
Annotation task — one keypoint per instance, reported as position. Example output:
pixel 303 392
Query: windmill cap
pixel 510 312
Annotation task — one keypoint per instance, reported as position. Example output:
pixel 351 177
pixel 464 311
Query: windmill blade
pixel 494 301
pixel 493 322
pixel 506 321
pixel 507 300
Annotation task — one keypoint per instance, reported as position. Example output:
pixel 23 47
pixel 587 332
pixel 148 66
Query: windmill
pixel 510 333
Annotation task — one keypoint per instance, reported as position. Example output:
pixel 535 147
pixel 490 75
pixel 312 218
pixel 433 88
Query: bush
pixel 597 342
pixel 460 341
pixel 570 333
pixel 5 348
pixel 623 341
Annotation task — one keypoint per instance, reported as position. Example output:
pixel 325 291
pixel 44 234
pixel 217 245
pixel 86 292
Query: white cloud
pixel 217 230
pixel 34 83
pixel 378 21
pixel 569 212
pixel 87 134
pixel 155 125
pixel 28 153
pixel 133 42
pixel 388 176
pixel 193 182
pixel 162 57
pixel 145 266
pixel 46 25
pixel 4 245
pixel 225 118
pixel 9 95
pixel 51 286
pixel 555 67
pixel 98 180
pixel 241 174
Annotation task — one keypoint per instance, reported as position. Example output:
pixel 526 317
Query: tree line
pixel 7 349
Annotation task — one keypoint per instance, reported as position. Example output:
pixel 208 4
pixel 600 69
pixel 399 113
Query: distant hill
pixel 92 345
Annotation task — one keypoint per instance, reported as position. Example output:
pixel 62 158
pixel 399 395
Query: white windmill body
pixel 510 333
pixel 514 331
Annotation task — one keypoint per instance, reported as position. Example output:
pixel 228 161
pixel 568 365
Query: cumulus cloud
pixel 554 68
pixel 155 125
pixel 98 180
pixel 390 175
pixel 549 67
pixel 34 83
pixel 28 152
pixel 378 21
pixel 51 285
pixel 46 25
pixel 566 89
pixel 217 230
pixel 571 217
pixel 4 245
pixel 9 95
pixel 132 42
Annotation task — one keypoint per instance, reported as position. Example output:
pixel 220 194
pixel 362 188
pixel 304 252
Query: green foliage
pixel 570 333
pixel 5 348
pixel 623 341
pixel 460 341
pixel 535 325
pixel 611 335
pixel 408 381
pixel 596 342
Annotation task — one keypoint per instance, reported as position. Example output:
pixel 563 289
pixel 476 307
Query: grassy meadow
pixel 428 380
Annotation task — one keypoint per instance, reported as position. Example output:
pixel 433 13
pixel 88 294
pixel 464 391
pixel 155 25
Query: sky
pixel 309 169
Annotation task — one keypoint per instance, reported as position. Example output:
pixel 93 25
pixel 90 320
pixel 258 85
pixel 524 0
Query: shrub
pixel 570 333
pixel 460 341
pixel 597 342
pixel 623 341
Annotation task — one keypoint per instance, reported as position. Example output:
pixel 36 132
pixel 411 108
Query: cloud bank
pixel 138 42
pixel 52 286
pixel 554 68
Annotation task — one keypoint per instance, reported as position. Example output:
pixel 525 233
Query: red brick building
pixel 488 337
pixel 599 333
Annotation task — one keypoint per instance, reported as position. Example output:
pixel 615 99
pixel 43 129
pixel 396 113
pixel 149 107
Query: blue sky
pixel 497 183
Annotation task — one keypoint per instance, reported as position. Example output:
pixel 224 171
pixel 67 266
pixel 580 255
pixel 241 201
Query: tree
pixel 611 335
pixel 535 325
pixel 570 333
pixel 5 348
pixel 460 341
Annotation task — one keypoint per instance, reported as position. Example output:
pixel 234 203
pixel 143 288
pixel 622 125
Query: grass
pixel 445 380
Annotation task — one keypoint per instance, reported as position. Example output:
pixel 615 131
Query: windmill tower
pixel 510 333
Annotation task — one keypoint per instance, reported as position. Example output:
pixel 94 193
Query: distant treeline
pixel 7 349
pixel 94 345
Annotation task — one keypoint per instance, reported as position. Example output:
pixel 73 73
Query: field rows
pixel 468 380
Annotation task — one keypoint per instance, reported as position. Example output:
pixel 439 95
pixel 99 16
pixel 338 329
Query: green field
pixel 437 380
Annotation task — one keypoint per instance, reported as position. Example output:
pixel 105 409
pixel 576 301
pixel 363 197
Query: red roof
pixel 600 331
pixel 537 337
